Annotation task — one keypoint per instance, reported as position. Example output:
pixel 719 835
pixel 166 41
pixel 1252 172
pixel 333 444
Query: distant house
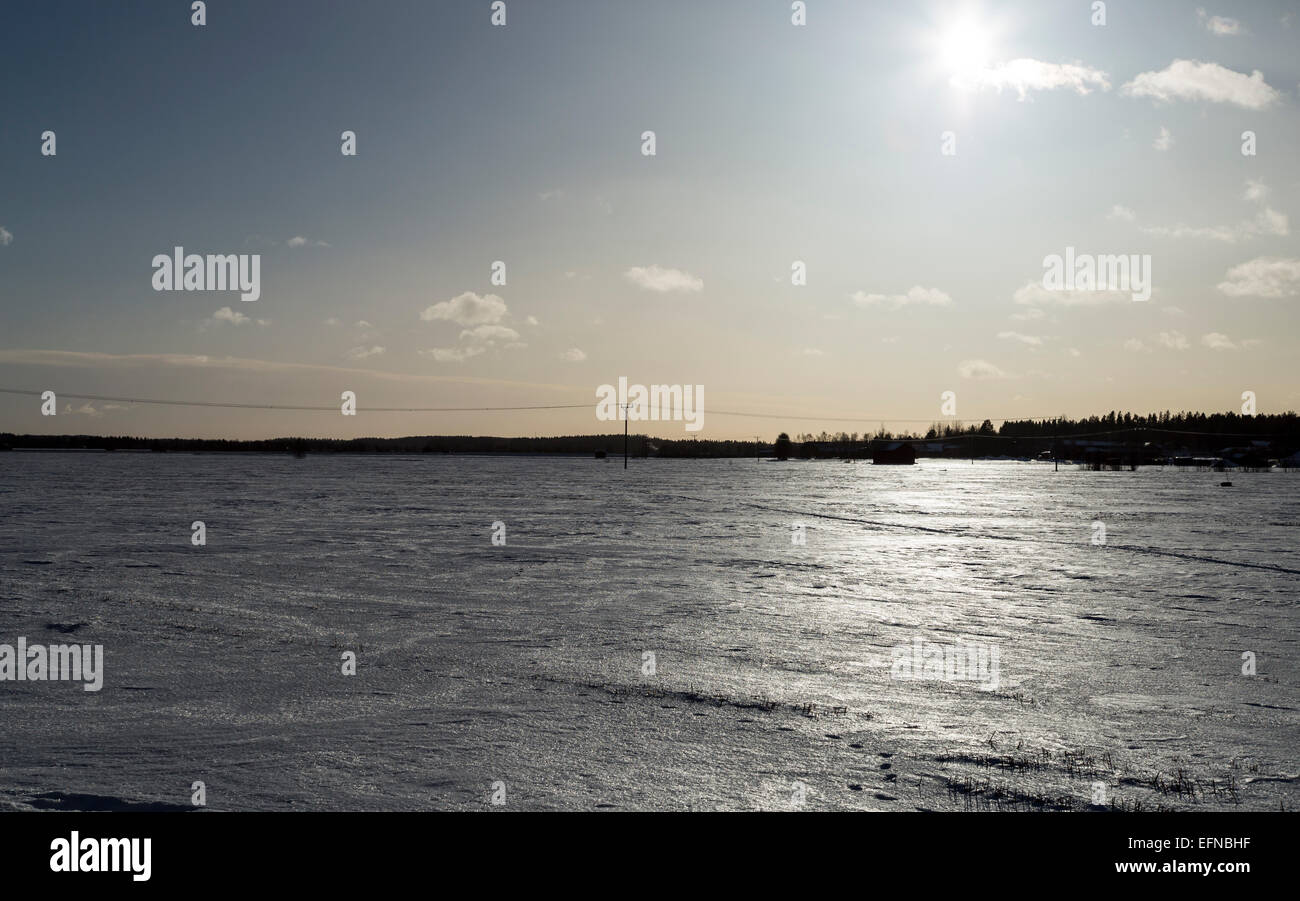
pixel 896 453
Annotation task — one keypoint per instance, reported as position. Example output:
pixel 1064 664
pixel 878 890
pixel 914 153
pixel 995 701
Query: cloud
pixel 1267 221
pixel 573 355
pixel 332 321
pixel 1133 344
pixel 979 369
pixel 916 295
pixel 1172 310
pixel 1219 25
pixel 1121 212
pixel 468 309
pixel 1164 140
pixel 475 341
pixel 1172 340
pixel 1031 340
pixel 452 354
pixel 226 314
pixel 813 352
pixel 6 237
pixel 532 320
pixel 1187 79
pixel 361 353
pixel 84 410
pixel 1256 190
pixel 657 278
pixel 1218 341
pixel 1033 293
pixel 1025 75
pixel 300 241
pixel 1263 277
pixel 489 334
pixel 1029 314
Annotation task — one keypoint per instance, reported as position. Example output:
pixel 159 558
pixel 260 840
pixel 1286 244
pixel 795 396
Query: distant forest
pixel 1196 431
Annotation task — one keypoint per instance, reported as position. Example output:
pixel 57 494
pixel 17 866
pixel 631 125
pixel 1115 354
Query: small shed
pixel 896 453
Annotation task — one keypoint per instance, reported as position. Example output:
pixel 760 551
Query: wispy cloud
pixel 1266 222
pixel 1031 340
pixel 1034 294
pixel 1026 75
pixel 915 296
pixel 6 237
pixel 574 355
pixel 662 280
pixel 980 370
pixel 1187 79
pixel 1164 140
pixel 362 353
pixel 1219 25
pixel 1263 277
pixel 226 314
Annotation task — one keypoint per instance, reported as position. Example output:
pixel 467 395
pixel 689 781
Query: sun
pixel 965 45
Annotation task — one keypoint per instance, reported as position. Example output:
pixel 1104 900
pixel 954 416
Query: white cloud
pixel 657 278
pixel 332 321
pixel 452 354
pixel 532 320
pixel 85 409
pixel 1172 340
pixel 475 341
pixel 1256 190
pixel 1029 314
pixel 6 237
pixel 1121 212
pixel 1219 25
pixel 573 355
pixel 1187 79
pixel 1164 140
pixel 489 334
pixel 1025 75
pixel 1134 345
pixel 1033 293
pixel 300 241
pixel 1031 340
pixel 979 369
pixel 1218 341
pixel 1263 277
pixel 1267 221
pixel 468 309
pixel 915 296
pixel 226 314
pixel 361 353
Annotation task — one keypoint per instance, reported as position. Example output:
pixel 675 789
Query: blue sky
pixel 522 143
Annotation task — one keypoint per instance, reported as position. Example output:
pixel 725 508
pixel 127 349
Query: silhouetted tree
pixel 783 447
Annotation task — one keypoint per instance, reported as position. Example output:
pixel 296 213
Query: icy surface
pixel 1119 664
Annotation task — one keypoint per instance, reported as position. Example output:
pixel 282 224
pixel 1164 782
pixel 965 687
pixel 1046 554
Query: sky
pixel 921 161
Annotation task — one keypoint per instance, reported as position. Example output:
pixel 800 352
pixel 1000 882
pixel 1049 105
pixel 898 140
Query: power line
pixel 780 416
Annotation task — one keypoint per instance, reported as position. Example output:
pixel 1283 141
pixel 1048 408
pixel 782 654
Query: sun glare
pixel 965 45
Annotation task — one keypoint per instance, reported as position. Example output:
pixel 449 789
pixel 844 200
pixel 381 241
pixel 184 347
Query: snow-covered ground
pixel 1120 664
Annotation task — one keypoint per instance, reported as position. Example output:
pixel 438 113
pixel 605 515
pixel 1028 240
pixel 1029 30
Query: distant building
pixel 896 453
